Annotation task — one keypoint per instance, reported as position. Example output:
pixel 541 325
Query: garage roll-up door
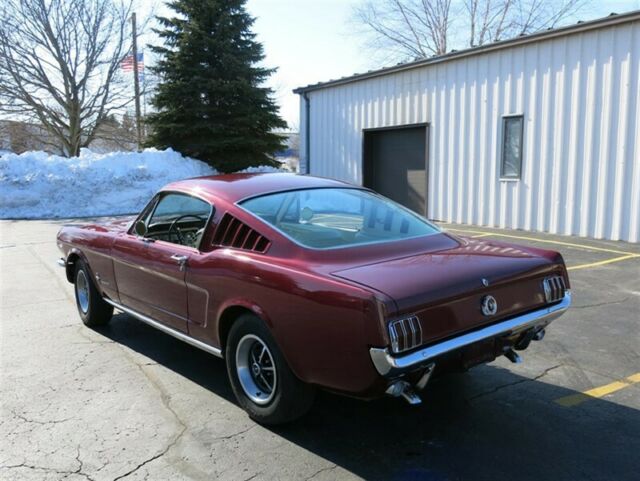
pixel 395 165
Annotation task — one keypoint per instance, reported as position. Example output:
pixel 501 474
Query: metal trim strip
pixel 166 329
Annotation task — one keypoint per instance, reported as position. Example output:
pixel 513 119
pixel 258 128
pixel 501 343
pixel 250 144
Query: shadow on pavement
pixel 511 429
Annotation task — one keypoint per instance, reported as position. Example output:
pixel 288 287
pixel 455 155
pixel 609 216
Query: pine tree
pixel 211 103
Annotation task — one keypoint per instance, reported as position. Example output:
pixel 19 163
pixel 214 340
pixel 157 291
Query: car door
pixel 150 270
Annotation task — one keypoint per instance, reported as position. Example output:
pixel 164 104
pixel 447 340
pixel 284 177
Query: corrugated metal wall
pixel 580 97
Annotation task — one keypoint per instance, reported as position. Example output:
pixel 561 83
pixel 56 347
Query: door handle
pixel 180 259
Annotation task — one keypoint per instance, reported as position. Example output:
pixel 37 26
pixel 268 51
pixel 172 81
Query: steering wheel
pixel 174 226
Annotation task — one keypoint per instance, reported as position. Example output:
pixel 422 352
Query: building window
pixel 512 135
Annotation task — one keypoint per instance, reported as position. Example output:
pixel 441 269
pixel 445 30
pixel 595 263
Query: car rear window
pixel 338 217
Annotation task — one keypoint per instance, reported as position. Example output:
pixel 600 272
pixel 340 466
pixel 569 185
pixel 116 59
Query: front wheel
pixel 93 310
pixel 262 381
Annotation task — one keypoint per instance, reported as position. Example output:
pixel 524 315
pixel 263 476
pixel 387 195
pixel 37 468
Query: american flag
pixel 127 63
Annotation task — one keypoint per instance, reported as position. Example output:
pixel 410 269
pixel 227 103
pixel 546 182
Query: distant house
pixel 19 137
pixel 540 132
pixel 291 155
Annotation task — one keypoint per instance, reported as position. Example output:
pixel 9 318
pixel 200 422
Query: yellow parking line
pixel 601 263
pixel 634 378
pixel 482 235
pixel 598 392
pixel 547 241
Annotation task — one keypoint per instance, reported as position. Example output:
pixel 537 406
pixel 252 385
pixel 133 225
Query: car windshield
pixel 330 218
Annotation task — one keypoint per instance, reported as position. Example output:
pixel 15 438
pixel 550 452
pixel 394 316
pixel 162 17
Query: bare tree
pixel 421 28
pixel 494 20
pixel 410 28
pixel 59 65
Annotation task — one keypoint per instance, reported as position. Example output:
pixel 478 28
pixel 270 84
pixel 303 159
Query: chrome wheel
pixel 256 369
pixel 82 291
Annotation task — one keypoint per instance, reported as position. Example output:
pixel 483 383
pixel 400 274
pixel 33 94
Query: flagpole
pixel 144 99
pixel 136 83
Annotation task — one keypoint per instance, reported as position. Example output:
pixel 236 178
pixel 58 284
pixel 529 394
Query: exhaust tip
pixel 539 336
pixel 405 390
pixel 513 356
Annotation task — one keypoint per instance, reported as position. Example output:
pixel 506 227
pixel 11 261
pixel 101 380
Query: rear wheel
pixel 93 310
pixel 262 381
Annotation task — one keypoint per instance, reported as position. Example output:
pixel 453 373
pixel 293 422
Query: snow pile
pixel 39 185
pixel 263 169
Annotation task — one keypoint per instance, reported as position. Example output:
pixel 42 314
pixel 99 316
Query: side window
pixel 179 219
pixel 172 206
pixel 512 135
pixel 148 210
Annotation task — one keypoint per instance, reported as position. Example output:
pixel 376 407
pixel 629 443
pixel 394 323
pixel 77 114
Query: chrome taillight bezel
pixel 554 288
pixel 405 334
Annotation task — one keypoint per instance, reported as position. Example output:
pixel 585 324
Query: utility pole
pixel 136 82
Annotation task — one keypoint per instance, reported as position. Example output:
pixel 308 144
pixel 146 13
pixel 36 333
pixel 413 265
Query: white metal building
pixel 538 133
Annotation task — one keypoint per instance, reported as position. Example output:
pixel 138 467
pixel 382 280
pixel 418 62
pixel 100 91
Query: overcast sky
pixel 311 41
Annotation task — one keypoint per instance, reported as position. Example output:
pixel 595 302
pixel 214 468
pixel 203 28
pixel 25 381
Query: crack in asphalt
pixel 36 421
pixel 519 381
pixel 65 474
pixel 165 399
pixel 230 436
pixel 329 468
pixel 80 466
pixel 600 304
pixel 156 456
pixel 252 477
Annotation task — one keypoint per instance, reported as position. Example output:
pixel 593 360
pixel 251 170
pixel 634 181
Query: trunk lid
pixel 444 289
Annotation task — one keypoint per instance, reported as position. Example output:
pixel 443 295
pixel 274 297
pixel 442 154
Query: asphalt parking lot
pixel 128 402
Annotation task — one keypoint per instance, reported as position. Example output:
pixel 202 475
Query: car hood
pixel 446 287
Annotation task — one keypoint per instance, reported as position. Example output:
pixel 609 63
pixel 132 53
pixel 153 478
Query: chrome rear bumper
pixel 390 366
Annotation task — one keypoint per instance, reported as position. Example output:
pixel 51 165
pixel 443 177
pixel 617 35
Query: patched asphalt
pixel 128 402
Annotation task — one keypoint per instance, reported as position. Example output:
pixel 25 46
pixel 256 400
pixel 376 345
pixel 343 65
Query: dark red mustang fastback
pixel 302 282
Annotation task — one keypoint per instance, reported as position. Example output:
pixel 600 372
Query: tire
pixel 289 397
pixel 93 310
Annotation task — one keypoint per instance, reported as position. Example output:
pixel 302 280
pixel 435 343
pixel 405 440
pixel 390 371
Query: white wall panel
pixel 579 95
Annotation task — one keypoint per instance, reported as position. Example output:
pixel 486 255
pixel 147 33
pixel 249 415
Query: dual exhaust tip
pixel 523 343
pixel 409 392
pixel 405 390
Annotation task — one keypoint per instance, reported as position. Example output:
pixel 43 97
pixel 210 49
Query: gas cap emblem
pixel 489 305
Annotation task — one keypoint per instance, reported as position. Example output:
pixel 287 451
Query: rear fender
pixel 246 304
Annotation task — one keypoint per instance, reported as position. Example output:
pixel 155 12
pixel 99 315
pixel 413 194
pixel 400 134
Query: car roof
pixel 235 187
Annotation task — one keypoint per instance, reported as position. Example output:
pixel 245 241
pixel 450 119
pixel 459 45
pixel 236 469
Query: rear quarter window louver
pixel 232 232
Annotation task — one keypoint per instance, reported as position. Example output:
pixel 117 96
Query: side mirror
pixel 140 228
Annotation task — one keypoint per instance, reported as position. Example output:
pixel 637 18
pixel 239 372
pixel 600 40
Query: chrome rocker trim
pixel 166 329
pixel 390 366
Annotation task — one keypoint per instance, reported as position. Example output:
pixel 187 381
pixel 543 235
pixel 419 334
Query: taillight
pixel 554 288
pixel 405 334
